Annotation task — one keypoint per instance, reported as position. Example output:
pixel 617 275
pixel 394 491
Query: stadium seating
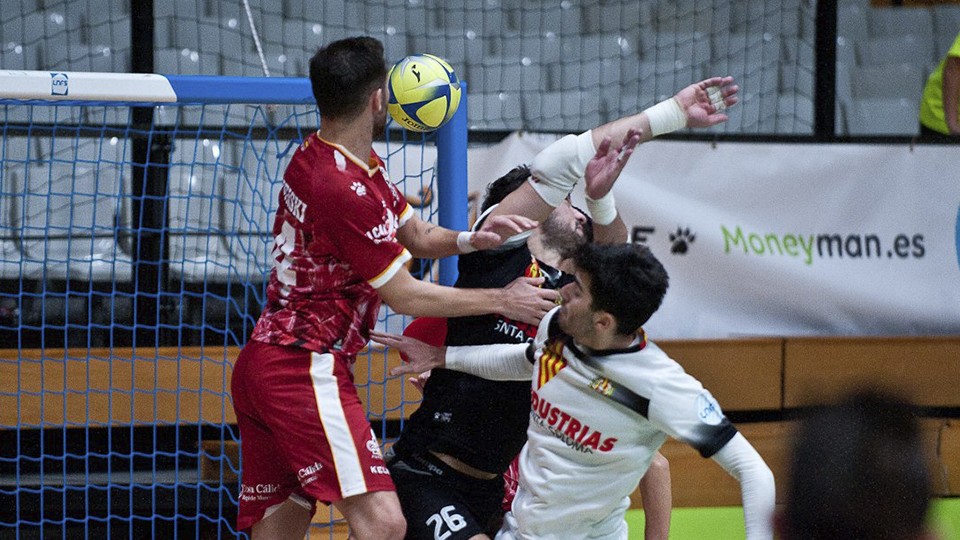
pixel 199 251
pixel 251 175
pixel 899 22
pixel 500 74
pixel 884 116
pixel 551 108
pixel 889 81
pixel 504 108
pixel 946 18
pixel 13 267
pixel 543 39
pixel 850 17
pixel 907 48
pixel 794 113
pixel 564 18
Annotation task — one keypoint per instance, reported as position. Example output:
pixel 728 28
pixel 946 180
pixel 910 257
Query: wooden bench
pixel 701 482
pixel 166 385
pixel 773 374
pixel 927 370
pixel 117 387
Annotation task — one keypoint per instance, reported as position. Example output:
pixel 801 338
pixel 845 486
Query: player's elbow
pixel 404 305
pixel 404 294
pixel 768 477
pixel 660 465
pixel 761 478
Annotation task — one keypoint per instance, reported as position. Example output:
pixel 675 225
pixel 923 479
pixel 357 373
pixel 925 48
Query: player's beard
pixel 560 237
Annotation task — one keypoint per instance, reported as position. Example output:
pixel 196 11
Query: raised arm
pixel 699 105
pixel 741 460
pixel 601 173
pixel 557 168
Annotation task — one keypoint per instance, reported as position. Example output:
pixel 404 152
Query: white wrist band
pixel 602 210
pixel 716 98
pixel 463 242
pixel 665 117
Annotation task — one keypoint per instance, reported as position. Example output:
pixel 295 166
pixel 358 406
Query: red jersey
pixel 335 243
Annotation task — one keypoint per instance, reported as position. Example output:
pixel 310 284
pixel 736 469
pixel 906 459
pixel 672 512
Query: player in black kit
pixel 450 460
pixel 449 463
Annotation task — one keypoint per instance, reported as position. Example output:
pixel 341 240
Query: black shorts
pixel 441 503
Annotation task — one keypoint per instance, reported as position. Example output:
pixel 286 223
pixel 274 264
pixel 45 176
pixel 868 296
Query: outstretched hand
pixel 604 168
pixel 498 229
pixel 526 301
pixel 420 356
pixel 704 102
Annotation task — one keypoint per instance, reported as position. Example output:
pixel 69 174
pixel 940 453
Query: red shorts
pixel 304 433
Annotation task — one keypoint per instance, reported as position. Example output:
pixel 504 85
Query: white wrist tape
pixel 463 242
pixel 716 98
pixel 665 117
pixel 558 167
pixel 602 210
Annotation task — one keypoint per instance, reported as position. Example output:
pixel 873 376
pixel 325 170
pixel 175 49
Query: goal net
pixel 135 219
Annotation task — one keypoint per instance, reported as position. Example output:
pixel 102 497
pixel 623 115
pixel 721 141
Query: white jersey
pixel 586 453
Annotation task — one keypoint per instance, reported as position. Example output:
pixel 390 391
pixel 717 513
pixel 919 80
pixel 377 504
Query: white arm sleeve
pixel 741 460
pixel 558 167
pixel 504 362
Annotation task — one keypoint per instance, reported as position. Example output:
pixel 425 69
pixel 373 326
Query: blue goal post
pixel 135 237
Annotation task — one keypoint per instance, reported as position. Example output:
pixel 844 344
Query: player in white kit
pixel 603 400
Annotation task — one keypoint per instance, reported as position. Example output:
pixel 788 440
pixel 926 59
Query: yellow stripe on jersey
pixel 551 362
pixel 406 214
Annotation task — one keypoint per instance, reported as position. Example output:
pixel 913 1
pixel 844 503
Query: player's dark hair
pixel 498 190
pixel 344 73
pixel 626 280
pixel 858 470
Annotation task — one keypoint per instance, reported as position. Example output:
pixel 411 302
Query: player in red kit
pixel 343 234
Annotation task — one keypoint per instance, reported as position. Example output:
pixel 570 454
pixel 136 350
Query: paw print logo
pixel 680 240
pixel 359 188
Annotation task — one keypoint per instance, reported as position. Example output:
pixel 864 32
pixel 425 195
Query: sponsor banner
pixel 788 239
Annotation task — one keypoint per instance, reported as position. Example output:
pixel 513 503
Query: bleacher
pixel 535 65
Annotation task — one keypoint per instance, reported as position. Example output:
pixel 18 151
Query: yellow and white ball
pixel 424 92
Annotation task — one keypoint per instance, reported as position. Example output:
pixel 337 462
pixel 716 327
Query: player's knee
pixel 374 516
pixel 394 526
pixel 390 524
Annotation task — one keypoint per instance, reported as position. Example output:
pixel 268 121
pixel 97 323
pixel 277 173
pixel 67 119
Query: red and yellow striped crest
pixel 551 362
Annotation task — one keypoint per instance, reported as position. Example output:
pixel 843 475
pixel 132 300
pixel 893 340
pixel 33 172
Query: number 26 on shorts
pixel 446 522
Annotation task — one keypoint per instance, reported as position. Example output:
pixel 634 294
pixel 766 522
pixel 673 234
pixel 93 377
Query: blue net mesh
pixel 134 264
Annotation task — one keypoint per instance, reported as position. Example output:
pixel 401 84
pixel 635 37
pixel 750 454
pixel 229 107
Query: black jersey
pixel 480 422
